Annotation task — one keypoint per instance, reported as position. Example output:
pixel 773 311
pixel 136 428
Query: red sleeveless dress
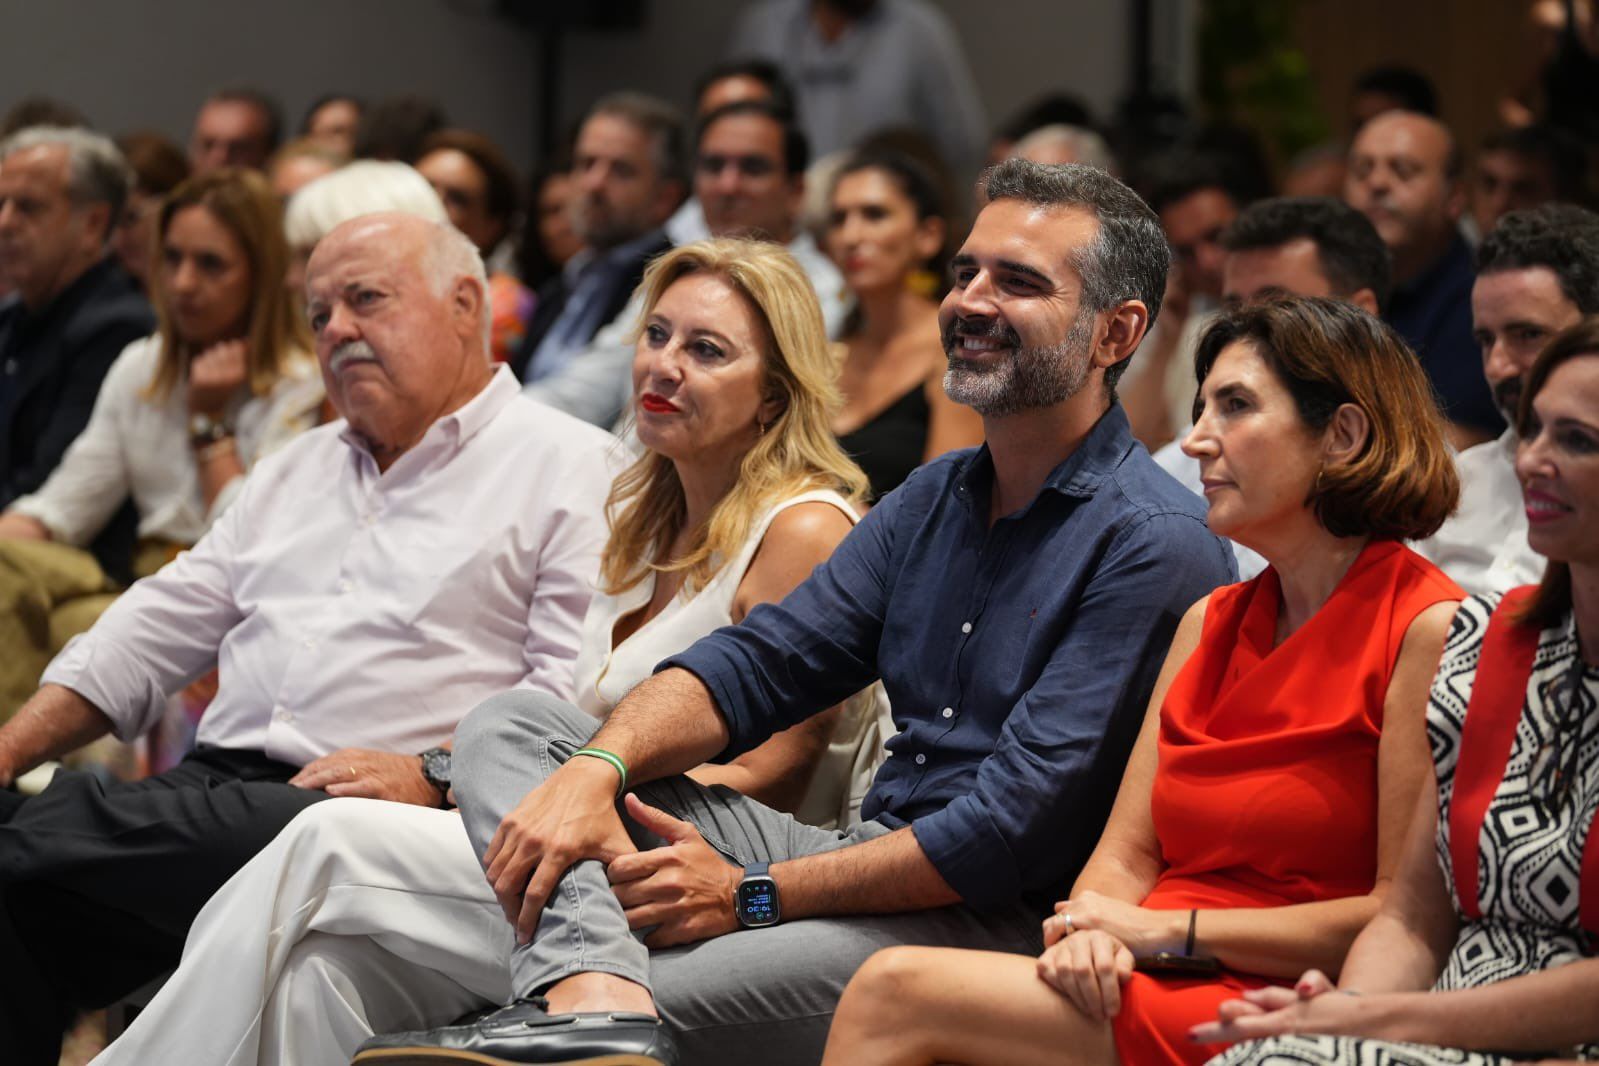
pixel 1266 793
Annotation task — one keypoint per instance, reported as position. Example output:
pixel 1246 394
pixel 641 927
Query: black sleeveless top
pixel 891 445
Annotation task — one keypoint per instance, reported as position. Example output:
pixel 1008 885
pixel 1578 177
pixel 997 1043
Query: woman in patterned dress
pixel 1496 909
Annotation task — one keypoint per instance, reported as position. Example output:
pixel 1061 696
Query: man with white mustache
pixel 1015 600
pixel 377 578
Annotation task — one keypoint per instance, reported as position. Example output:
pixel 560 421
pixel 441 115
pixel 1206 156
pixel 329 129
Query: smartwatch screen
pixel 757 901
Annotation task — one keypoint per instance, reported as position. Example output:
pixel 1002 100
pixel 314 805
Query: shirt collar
pixel 1080 473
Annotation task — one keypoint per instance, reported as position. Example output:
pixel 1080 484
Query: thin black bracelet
pixel 1193 916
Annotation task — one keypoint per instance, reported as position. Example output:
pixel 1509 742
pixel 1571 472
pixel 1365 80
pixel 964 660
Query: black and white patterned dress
pixel 1530 851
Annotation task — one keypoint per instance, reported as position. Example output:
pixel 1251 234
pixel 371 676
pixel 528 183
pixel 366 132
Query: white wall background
pixel 146 63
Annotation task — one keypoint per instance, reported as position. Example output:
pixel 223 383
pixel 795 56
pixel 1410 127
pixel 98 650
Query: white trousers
pixel 361 917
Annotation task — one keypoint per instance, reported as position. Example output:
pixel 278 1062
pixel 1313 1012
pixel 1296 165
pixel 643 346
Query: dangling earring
pixel 762 427
pixel 1316 489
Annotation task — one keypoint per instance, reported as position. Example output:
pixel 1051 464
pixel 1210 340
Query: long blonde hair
pixel 242 201
pixel 796 453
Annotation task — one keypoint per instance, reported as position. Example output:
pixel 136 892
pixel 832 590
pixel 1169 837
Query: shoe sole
pixel 430 1056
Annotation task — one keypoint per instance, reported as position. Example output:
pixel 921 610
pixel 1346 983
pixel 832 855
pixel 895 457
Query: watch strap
pixel 758 869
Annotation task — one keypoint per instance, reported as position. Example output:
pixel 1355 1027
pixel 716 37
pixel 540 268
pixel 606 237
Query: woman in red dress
pixel 1262 811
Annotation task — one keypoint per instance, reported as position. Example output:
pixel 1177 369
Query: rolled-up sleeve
pixel 790 660
pixel 1041 797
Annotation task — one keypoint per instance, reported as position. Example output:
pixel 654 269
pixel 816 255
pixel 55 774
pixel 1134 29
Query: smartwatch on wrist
pixel 436 770
pixel 756 902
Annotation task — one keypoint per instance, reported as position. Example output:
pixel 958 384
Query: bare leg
pixel 598 992
pixel 919 1006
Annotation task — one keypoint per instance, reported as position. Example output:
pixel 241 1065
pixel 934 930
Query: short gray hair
pixel 96 171
pixel 364 187
pixel 1127 259
pixel 450 255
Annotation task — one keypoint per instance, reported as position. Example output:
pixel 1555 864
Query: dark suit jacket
pixel 552 297
pixel 55 359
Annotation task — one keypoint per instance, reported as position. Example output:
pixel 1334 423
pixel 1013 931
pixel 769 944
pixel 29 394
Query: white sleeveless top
pixel 604 674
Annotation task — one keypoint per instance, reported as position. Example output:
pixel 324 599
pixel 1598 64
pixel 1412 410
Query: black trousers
pixel 98 883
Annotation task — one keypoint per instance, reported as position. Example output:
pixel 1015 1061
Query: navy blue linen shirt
pixel 1019 659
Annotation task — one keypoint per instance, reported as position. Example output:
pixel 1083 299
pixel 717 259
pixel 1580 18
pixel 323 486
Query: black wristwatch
pixel 756 902
pixel 436 770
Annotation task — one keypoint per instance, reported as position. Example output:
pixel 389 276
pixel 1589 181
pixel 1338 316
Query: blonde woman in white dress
pixel 366 916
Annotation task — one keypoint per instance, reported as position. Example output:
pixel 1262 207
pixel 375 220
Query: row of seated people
pixel 185 412
pixel 1320 448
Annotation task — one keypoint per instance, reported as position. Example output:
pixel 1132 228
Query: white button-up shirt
pixel 1483 546
pixel 351 608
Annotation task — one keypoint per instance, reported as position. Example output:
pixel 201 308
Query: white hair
pixel 364 187
pixel 450 255
pixel 1084 145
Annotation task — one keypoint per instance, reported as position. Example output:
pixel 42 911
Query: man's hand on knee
pixel 570 817
pixel 684 888
pixel 369 774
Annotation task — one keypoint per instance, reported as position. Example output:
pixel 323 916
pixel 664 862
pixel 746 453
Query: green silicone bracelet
pixel 605 756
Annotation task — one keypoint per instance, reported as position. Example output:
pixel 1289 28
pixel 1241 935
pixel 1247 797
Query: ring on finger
pixel 1066 920
pixel 352 772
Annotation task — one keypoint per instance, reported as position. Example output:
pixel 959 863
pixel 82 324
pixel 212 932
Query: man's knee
pixel 513 718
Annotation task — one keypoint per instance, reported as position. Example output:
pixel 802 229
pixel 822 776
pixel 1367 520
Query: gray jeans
pixel 763 995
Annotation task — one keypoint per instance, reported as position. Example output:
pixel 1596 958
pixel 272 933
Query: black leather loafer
pixel 523 1034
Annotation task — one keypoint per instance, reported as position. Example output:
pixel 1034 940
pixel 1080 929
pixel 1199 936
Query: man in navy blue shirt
pixel 1015 599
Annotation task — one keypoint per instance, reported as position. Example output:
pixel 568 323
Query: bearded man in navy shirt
pixel 1015 599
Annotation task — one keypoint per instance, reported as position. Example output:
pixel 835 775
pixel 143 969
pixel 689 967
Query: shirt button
pixel 966 627
pixel 368 518
pixel 284 716
pixel 949 712
pixel 921 759
pixel 345 585
pixel 309 643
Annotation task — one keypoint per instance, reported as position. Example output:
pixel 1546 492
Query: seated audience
pixel 479 190
pixel 1405 175
pixel 237 127
pixel 1537 274
pixel 364 187
pixel 75 310
pixel 333 120
pixel 158 166
pixel 181 417
pixel 749 177
pixel 1492 908
pixel 1014 720
pixel 40 110
pixel 1317 171
pixel 299 163
pixel 1525 167
pixel 1197 195
pixel 1261 816
pixel 627 165
pixel 371 577
pixel 1288 246
pixel 889 222
pixel 858 66
pixel 739 493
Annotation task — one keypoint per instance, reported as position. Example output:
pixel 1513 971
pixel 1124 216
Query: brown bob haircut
pixel 1551 604
pixel 1328 353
